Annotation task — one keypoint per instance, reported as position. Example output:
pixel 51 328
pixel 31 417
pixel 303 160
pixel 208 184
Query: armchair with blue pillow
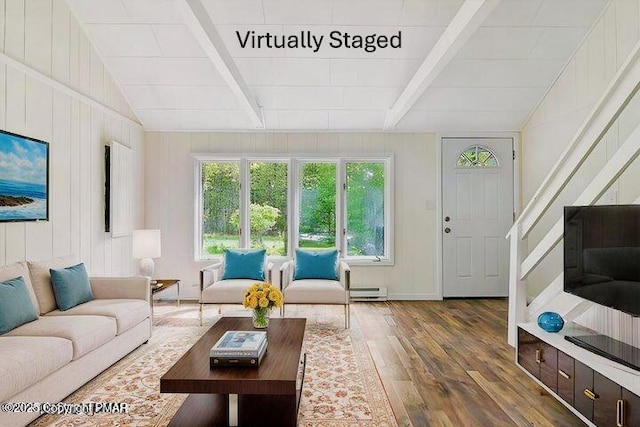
pixel 226 281
pixel 316 277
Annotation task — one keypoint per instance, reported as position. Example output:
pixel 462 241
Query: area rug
pixel 341 387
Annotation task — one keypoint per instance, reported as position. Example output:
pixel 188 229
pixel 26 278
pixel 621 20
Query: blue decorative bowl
pixel 550 321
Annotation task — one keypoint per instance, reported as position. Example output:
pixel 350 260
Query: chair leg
pixel 282 311
pixel 219 309
pixel 347 316
pixel 201 313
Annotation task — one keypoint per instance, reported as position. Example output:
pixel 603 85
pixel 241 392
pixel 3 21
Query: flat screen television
pixel 602 255
pixel 24 178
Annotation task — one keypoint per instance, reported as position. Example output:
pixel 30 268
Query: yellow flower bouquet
pixel 261 298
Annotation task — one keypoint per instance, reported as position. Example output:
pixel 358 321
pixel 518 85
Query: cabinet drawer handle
pixel 538 355
pixel 620 413
pixel 563 374
pixel 591 395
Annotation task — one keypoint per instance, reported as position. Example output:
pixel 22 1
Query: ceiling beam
pixel 197 19
pixel 469 17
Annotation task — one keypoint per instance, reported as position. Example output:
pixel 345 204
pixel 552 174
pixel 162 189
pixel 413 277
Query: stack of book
pixel 239 348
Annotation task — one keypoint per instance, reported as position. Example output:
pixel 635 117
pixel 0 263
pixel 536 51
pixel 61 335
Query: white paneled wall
pixel 44 35
pixel 551 128
pixel 170 198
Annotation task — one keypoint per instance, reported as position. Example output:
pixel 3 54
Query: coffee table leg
pixel 233 410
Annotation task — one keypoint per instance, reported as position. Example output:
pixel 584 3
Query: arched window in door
pixel 477 156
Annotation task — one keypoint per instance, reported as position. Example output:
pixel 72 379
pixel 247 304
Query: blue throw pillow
pixel 244 264
pixel 71 286
pixel 16 307
pixel 316 265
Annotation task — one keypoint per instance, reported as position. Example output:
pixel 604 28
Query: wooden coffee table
pixel 263 396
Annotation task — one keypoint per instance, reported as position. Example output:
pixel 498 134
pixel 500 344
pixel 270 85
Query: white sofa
pixel 49 358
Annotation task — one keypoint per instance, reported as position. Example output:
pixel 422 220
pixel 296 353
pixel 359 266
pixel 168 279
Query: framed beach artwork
pixel 24 178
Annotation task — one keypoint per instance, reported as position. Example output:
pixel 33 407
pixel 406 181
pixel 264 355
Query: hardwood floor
pixel 447 363
pixel 442 363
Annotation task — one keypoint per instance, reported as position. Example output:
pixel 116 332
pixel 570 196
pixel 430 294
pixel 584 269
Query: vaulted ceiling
pixel 480 65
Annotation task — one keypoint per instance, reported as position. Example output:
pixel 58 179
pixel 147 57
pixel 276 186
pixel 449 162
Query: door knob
pixel 447 219
pixel 447 230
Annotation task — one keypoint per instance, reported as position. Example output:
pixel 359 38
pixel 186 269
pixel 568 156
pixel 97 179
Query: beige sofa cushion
pixel 315 291
pixel 41 280
pixel 127 312
pixel 85 332
pixel 27 360
pixel 18 269
pixel 226 291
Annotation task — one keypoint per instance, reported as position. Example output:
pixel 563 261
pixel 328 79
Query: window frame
pixel 293 202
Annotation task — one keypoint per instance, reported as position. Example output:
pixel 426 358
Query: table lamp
pixel 146 246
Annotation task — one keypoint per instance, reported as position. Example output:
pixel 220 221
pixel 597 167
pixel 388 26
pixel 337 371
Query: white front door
pixel 477 209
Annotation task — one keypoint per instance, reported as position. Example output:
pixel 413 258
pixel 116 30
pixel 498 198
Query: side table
pixel 161 285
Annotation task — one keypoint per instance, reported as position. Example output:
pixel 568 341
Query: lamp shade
pixel 147 244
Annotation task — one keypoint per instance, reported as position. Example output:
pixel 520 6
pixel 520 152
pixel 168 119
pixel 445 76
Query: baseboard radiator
pixel 368 294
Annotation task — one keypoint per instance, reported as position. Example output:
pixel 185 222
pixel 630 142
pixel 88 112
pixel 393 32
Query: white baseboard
pixel 413 297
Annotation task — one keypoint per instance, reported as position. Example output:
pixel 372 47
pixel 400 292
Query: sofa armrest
pixel 345 275
pixel 134 287
pixel 269 272
pixel 210 274
pixel 285 274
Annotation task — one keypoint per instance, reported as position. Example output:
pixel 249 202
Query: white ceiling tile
pixel 501 43
pixel 513 13
pixel 356 120
pixel 295 119
pixel 182 97
pixel 499 73
pixel 153 11
pixel 194 120
pixel 558 43
pixel 303 98
pixel 101 12
pixel 569 13
pixel 284 71
pixel 479 99
pixel 165 71
pixel 271 97
pixel 204 120
pixel 330 98
pixel 289 98
pixel 235 11
pixel 372 72
pixel 369 98
pixel 132 40
pixel 437 13
pixel 316 12
pixel 462 121
pixel 177 41
pixel 366 12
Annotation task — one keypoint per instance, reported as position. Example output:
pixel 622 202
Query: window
pixel 342 203
pixel 268 209
pixel 476 156
pixel 317 195
pixel 365 209
pixel 220 183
